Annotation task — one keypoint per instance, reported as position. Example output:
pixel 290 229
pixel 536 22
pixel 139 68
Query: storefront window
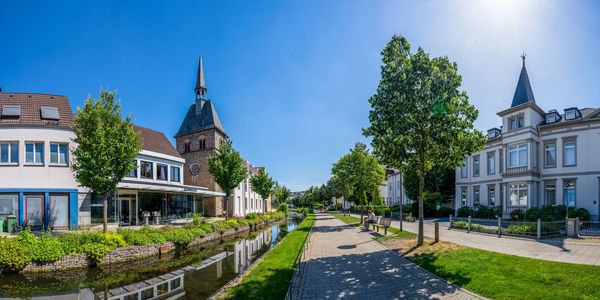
pixel 176 206
pixel 151 202
pixel 9 205
pixel 97 210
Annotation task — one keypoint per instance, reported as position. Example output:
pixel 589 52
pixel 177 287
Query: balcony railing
pixel 516 170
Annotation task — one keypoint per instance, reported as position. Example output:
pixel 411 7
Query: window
pixel 550 155
pixel 9 152
pixel 492 195
pixel 517 156
pixel 59 154
pixel 202 143
pixel 186 146
pixel 570 157
pixel 551 118
pixel 518 194
pixel 513 124
pixel 475 195
pixel 521 122
pixel 550 194
pixel 133 172
pixel 476 166
pixel 146 170
pixel 161 172
pixel 491 163
pixel 34 153
pixel 569 193
pixel 463 169
pixel 9 204
pixel 175 174
pixel 570 114
pixel 463 197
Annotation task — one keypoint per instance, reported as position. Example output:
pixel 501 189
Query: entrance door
pixel 34 211
pixel 59 211
pixel 124 213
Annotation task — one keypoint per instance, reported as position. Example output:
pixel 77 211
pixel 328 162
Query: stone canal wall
pixel 129 253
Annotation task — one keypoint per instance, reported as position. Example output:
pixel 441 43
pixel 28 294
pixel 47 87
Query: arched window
pixel 186 146
pixel 202 143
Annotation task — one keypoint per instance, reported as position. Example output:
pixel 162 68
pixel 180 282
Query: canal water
pixel 193 275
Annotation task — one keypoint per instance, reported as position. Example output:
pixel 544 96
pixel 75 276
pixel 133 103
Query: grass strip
pixel 271 277
pixel 397 232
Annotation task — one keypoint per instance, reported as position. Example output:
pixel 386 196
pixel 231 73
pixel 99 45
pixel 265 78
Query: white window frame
pixel 518 149
pixel 520 122
pixel 518 201
pixel 492 192
pixel 34 162
pixel 551 118
pixel 570 144
pixel 570 112
pixel 549 187
pixel 567 187
pixel 171 169
pixel 10 144
pixel 546 151
pixel 491 167
pixel 58 162
pixel 463 170
pixel 476 166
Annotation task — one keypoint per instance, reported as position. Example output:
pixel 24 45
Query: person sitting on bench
pixel 370 219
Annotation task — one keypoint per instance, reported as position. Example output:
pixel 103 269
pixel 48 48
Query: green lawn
pixel 502 276
pixel 397 233
pixel 347 219
pixel 271 277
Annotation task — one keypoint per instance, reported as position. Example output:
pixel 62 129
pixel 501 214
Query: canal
pixel 193 275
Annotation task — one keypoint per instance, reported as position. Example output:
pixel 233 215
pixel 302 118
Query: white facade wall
pixel 395 190
pixel 246 200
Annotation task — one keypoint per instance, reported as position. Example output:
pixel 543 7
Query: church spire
pixel 200 88
pixel 523 93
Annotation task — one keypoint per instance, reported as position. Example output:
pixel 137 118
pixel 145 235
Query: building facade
pixel 36 182
pixel 244 199
pixel 535 158
pixel 395 194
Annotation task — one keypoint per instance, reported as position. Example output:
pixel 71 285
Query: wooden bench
pixel 382 223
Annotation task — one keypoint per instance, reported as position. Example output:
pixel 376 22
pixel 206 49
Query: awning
pixel 181 189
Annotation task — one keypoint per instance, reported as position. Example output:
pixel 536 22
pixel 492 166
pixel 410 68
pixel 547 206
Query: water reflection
pixel 193 276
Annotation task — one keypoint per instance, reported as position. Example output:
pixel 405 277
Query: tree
pixel 106 143
pixel 438 179
pixel 282 194
pixel 262 184
pixel 418 116
pixel 227 169
pixel 341 181
pixel 363 172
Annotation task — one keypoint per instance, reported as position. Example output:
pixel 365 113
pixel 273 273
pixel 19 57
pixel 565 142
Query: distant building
pixel 393 192
pixel 535 158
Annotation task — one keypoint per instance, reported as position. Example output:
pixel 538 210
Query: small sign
pixel 189 189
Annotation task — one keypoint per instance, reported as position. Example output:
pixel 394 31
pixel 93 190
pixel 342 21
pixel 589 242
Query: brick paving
pixel 343 262
pixel 560 250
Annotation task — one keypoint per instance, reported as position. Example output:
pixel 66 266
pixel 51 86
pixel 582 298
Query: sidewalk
pixel 551 249
pixel 345 262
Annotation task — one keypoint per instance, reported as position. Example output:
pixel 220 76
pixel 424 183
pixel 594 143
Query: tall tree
pixel 227 169
pixel 106 143
pixel 262 184
pixel 418 116
pixel 282 194
pixel 363 172
pixel 341 178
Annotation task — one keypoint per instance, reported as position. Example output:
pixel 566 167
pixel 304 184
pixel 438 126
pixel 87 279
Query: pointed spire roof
pixel 523 93
pixel 207 118
pixel 200 88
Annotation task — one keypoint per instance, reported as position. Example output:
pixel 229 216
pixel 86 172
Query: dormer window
pixel 551 118
pixel 521 122
pixel 494 132
pixel 572 113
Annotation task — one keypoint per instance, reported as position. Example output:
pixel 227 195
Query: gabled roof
pixel 30 109
pixel 206 119
pixel 156 141
pixel 523 93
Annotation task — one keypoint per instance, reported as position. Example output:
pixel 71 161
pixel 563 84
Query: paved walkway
pixel 345 262
pixel 550 249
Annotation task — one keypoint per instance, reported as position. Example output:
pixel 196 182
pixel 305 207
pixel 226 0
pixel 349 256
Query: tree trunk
pixel 421 184
pixel 401 216
pixel 105 206
pixel 362 209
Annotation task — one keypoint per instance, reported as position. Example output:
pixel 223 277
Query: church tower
pixel 198 138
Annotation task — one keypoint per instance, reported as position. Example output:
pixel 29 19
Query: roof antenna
pixel 523 57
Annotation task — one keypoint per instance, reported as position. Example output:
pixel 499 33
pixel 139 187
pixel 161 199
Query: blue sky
pixel 291 79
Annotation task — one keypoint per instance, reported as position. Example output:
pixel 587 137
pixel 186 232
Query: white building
pixel 245 199
pixel 536 158
pixel 394 189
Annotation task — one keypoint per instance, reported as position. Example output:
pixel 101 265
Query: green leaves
pixel 262 183
pixel 226 168
pixel 106 143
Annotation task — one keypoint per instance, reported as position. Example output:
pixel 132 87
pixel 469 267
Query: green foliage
pixel 532 214
pixel 262 183
pixel 181 236
pixel 517 214
pixel 266 218
pixel 444 212
pixel 465 211
pixel 242 222
pixel 418 116
pixel 197 219
pixel 484 212
pixel 283 208
pixel 220 226
pixel 47 249
pixel 226 168
pixel 232 223
pixel 522 229
pixel 95 252
pixel 460 225
pixel 14 255
pixel 252 216
pixel 438 179
pixel 106 144
pixel 282 195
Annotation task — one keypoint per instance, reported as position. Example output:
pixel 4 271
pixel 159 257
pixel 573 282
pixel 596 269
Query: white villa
pixel 535 158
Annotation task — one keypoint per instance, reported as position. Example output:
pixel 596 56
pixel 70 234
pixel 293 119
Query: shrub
pixel 13 255
pixel 48 249
pixel 532 214
pixel 547 213
pixel 111 240
pixel 444 212
pixel 197 219
pixel 278 215
pixel 207 228
pixel 252 216
pixel 180 236
pixel 483 211
pixel 220 226
pixel 517 214
pixel 266 218
pixel 232 223
pixel 582 214
pixel 283 208
pixel 522 229
pixel 476 227
pixel 460 225
pixel 242 222
pixel 464 212
pixel 94 251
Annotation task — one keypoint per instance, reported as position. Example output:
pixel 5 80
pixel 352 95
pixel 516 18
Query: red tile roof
pixel 156 141
pixel 30 104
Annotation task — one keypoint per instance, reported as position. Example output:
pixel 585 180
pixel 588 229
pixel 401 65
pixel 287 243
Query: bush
pixel 242 222
pixel 266 218
pixel 180 236
pixel 252 216
pixel 232 223
pixel 582 214
pixel 460 225
pixel 517 214
pixel 444 212
pixel 464 212
pixel 197 219
pixel 484 212
pixel 476 227
pixel 278 215
pixel 13 255
pixel 95 252
pixel 220 226
pixel 533 213
pixel 523 229
pixel 283 208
